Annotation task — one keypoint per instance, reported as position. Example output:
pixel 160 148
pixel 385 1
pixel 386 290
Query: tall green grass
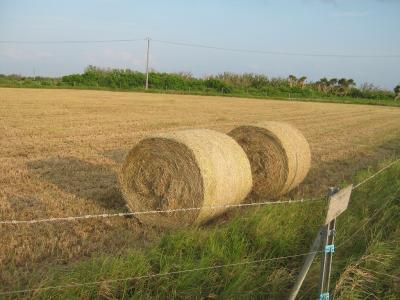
pixel 249 235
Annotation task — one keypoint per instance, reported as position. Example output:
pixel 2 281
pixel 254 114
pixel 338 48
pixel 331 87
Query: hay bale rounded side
pixel 279 156
pixel 185 169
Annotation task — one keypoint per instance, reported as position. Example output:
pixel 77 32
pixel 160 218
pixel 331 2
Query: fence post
pixel 328 248
pixel 315 247
pixel 338 202
pixel 306 266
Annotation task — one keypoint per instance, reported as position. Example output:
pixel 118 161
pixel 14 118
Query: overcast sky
pixel 351 27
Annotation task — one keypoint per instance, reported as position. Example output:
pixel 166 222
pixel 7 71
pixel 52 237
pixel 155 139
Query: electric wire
pixel 197 45
pixel 269 52
pixel 72 41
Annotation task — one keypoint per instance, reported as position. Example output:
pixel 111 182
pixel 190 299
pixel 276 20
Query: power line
pixel 125 214
pixel 72 41
pixel 195 45
pixel 269 52
pixel 72 285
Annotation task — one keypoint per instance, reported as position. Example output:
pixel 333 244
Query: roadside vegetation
pixel 230 84
pixel 366 262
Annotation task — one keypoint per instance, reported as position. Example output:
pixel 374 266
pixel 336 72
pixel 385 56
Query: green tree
pixel 397 92
pixel 397 89
pixel 302 81
pixel 292 80
pixel 332 83
pixel 323 84
pixel 345 85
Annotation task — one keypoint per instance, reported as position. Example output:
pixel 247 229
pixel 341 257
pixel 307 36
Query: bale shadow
pixel 116 155
pixel 25 203
pixel 93 182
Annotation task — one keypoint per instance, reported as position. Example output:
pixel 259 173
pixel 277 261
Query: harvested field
pixel 61 150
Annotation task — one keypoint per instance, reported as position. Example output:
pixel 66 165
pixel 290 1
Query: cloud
pixel 18 54
pixel 115 57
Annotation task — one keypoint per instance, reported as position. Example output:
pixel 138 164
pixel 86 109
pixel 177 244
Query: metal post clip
pixel 324 296
pixel 329 248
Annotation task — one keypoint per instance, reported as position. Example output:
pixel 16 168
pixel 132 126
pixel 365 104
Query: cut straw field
pixel 61 150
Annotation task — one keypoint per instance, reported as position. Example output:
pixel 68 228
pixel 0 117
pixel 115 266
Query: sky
pixel 349 27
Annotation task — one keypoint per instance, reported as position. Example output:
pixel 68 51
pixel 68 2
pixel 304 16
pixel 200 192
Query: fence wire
pixel 74 285
pixel 375 174
pixel 125 214
pixel 376 212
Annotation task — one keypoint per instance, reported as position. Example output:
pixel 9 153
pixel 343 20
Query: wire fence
pixel 376 213
pixel 186 209
pixel 126 214
pixel 156 275
pixel 147 276
pixel 75 285
pixel 376 174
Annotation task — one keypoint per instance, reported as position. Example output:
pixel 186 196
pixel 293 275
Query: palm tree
pixel 342 82
pixel 301 81
pixel 292 80
pixel 345 84
pixel 323 84
pixel 351 82
pixel 397 92
pixel 342 85
pixel 324 80
pixel 333 82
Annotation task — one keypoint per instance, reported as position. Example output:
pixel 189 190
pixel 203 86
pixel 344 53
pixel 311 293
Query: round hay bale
pixel 185 169
pixel 279 156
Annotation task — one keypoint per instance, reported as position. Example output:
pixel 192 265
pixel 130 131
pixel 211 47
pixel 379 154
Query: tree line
pixel 226 83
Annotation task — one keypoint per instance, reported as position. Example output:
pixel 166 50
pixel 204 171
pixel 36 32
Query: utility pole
pixel 147 63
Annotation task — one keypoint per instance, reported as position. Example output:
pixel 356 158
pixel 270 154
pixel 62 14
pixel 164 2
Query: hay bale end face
pixel 279 156
pixel 185 169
